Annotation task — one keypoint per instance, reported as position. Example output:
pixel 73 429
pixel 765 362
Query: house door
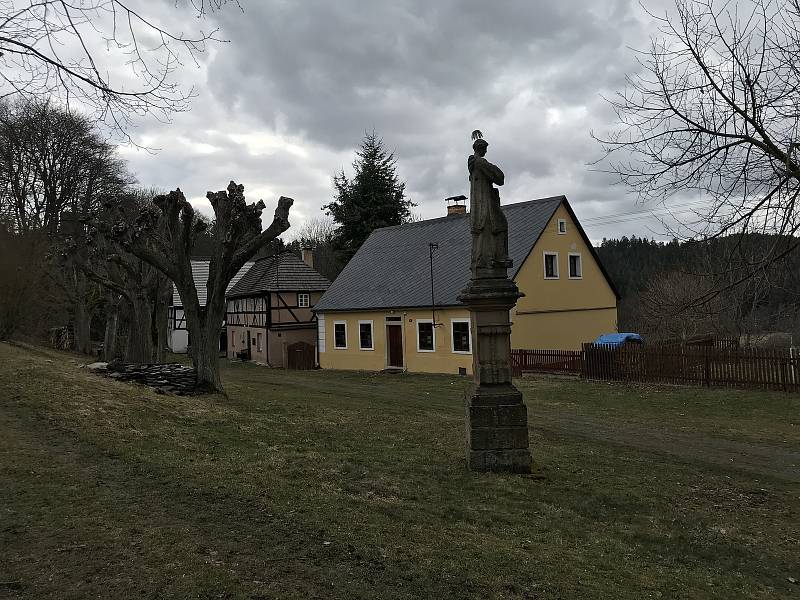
pixel 394 337
pixel 300 356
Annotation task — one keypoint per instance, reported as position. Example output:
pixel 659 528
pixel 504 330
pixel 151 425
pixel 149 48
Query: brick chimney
pixel 308 255
pixel 456 206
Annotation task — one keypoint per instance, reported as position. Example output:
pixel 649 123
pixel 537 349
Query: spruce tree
pixel 373 198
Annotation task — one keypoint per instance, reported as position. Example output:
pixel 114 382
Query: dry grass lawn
pixel 352 485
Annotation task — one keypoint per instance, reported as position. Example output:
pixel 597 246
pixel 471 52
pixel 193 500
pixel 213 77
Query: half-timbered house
pixel 178 338
pixel 270 308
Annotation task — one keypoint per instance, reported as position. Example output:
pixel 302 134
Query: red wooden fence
pixel 762 368
pixel 765 368
pixel 555 361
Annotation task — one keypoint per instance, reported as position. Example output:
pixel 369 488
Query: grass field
pixel 349 485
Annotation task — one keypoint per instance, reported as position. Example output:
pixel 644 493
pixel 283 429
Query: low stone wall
pixel 168 378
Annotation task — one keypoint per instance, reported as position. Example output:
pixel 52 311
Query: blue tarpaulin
pixel 617 339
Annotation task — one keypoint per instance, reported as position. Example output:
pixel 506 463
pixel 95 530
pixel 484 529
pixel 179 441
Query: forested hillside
pixel 679 289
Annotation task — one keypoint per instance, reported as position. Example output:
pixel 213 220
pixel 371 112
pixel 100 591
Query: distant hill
pixel 770 303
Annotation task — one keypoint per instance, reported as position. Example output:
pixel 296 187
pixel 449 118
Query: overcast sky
pixel 283 105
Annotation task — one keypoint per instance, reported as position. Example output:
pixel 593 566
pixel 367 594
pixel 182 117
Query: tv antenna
pixel 433 247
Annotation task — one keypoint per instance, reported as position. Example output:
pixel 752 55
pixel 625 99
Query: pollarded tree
pixel 373 198
pixel 164 236
pixel 714 113
pixel 129 283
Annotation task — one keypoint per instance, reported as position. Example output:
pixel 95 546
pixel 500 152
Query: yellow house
pixel 395 305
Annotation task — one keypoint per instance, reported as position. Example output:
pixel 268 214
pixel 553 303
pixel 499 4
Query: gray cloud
pixel 283 105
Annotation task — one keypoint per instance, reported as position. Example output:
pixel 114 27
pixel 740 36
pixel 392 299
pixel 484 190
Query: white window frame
pixel 321 332
pixel 580 265
pixel 433 329
pixel 545 254
pixel 560 223
pixel 335 323
pixel 371 334
pixel 301 296
pixel 453 337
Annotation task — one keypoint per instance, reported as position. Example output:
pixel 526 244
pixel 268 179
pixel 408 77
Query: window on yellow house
pixel 365 335
pixel 551 265
pixel 340 335
pixel 575 267
pixel 461 335
pixel 426 341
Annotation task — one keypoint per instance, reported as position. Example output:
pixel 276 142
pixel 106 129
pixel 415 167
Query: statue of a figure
pixel 497 419
pixel 488 223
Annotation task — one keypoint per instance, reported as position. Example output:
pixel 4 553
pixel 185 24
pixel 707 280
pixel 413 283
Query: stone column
pixel 497 418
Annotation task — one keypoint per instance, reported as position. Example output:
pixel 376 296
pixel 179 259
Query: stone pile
pixel 168 378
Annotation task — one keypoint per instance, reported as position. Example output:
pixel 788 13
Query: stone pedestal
pixel 497 418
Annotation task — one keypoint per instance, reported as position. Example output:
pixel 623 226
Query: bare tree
pixel 52 162
pixel 319 235
pixel 22 271
pixel 316 231
pixel 79 52
pixel 54 172
pixel 164 236
pixel 714 113
pixel 668 307
pixel 140 286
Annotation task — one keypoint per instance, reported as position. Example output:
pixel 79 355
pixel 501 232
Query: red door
pixel 394 336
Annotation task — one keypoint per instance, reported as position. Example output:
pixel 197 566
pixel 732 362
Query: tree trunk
pixel 82 320
pixel 161 317
pixel 205 356
pixel 112 328
pixel 140 337
pixel 204 328
pixel 81 326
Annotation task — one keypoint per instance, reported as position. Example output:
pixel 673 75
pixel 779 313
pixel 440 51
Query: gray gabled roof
pixel 392 268
pixel 284 272
pixel 200 276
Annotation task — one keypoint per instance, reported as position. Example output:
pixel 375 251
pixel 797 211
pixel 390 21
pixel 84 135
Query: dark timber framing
pixel 238 315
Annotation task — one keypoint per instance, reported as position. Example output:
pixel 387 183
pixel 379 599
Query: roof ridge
pixel 276 255
pixel 559 197
pixel 207 259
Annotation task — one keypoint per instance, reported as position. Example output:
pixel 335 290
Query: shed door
pixel 394 335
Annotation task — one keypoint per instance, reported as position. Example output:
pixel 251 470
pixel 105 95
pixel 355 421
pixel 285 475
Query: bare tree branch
pixel 49 50
pixel 714 113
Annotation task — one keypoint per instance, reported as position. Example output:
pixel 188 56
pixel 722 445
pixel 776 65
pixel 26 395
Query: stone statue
pixel 488 223
pixel 497 418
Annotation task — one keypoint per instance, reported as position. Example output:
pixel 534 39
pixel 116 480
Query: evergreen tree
pixel 373 198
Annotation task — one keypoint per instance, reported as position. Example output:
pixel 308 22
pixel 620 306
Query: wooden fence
pixel 763 368
pixel 553 361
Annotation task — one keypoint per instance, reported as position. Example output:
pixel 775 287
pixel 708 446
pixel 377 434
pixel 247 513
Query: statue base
pixel 497 430
pixel 497 418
